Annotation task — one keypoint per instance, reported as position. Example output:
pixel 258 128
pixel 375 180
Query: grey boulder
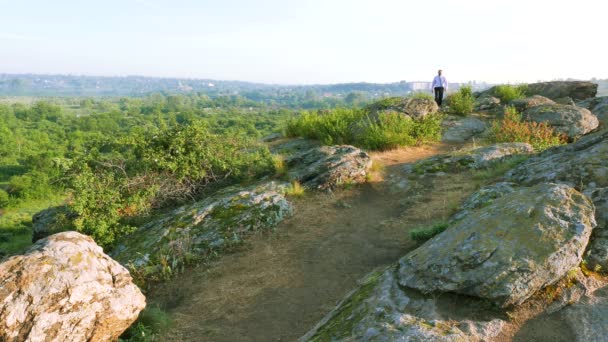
pixel 572 121
pixel 530 102
pixel 507 250
pixel 327 167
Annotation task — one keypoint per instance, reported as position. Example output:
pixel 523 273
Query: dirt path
pixel 280 284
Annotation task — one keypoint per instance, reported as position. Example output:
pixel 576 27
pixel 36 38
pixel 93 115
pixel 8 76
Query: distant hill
pixel 72 85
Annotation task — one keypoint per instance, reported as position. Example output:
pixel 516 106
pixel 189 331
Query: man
pixel 439 86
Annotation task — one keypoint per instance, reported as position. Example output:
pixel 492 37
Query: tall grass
pixel 513 129
pixel 356 127
pixel 507 93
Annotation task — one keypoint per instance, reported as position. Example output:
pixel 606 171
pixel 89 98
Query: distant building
pixel 417 86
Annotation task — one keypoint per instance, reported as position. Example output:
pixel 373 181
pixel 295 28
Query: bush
pixel 4 199
pixel 462 102
pixel 513 129
pixel 356 127
pixel 152 170
pixel 425 233
pixel 421 95
pixel 507 93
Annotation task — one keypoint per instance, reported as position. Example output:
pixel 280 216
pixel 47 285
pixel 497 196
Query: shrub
pixel 462 102
pixel 356 127
pixel 513 129
pixel 4 199
pixel 421 95
pixel 507 93
pixel 425 233
pixel 155 169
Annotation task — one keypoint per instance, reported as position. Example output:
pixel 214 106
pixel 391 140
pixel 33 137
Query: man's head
pixel 439 72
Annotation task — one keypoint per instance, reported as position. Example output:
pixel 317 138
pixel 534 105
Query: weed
pixel 295 189
pixel 151 322
pixel 513 129
pixel 425 233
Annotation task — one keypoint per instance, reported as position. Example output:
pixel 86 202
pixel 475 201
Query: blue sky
pixel 307 41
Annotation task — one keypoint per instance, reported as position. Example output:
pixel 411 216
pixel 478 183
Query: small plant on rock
pixel 295 189
pixel 514 129
pixel 425 233
pixel 507 93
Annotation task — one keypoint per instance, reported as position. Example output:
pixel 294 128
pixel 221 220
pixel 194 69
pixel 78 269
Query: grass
pixel 507 93
pixel 425 233
pixel 295 189
pixel 16 224
pixel 360 128
pixel 152 321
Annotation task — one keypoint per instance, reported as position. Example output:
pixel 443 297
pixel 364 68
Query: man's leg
pixel 441 95
pixel 438 95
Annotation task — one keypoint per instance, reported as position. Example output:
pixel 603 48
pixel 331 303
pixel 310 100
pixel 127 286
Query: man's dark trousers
pixel 438 95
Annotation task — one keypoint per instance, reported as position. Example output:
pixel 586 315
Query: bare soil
pixel 281 284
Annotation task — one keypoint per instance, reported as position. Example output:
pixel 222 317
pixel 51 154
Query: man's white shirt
pixel 439 81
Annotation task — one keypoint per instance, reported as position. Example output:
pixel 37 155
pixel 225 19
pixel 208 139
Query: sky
pixel 307 41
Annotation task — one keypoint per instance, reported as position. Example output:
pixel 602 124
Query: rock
pixel 597 252
pixel 587 318
pixel 66 289
pixel 461 130
pixel 583 165
pixel 487 103
pixel 572 121
pixel 494 252
pixel 565 101
pixel 195 231
pixel 293 146
pixel 415 108
pixel 476 158
pixel 582 320
pixel 577 90
pixel 326 167
pixel 483 197
pixel 51 221
pixel 598 106
pixel 530 102
pixel 381 310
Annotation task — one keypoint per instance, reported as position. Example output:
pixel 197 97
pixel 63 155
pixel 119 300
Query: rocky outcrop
pixel 572 121
pixel 530 102
pixel 415 108
pixel 577 90
pixel 494 252
pixel 382 310
pixel 487 103
pixel 583 165
pixel 483 197
pixel 597 253
pixel 587 318
pixel 51 221
pixel 459 130
pixel 598 106
pixel 195 231
pixel 476 158
pixel 326 167
pixel 66 289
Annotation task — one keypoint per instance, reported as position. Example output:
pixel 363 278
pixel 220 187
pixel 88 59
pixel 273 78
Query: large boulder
pixel 66 289
pixel 327 167
pixel 382 310
pixel 415 108
pixel 572 121
pixel 530 102
pixel 597 252
pixel 583 164
pixel 577 90
pixel 459 130
pixel 195 231
pixel 475 158
pixel 507 250
pixel 598 106
pixel 487 103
